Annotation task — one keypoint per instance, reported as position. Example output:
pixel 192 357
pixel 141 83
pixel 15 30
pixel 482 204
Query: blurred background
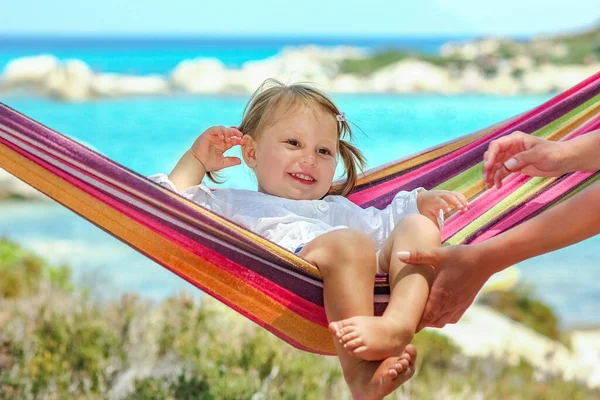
pixel 139 80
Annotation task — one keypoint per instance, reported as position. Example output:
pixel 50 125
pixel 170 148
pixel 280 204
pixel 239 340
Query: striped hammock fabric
pixel 264 282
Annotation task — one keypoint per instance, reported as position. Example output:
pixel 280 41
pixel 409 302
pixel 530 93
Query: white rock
pixel 409 76
pixel 202 75
pixel 348 83
pixel 112 85
pixel 70 82
pixel 483 332
pixel 29 70
pixel 551 78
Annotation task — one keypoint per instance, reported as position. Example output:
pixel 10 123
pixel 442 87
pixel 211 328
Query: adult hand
pixel 459 276
pixel 527 154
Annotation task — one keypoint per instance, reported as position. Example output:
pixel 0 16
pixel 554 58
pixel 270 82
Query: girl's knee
pixel 343 248
pixel 351 242
pixel 417 225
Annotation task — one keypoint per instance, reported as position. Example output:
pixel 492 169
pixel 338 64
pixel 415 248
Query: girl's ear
pixel 249 151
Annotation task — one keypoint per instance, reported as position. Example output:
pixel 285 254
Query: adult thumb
pixel 521 160
pixel 418 257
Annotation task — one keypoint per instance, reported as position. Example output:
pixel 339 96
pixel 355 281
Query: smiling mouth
pixel 303 178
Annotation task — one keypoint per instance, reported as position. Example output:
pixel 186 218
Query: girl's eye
pixel 325 151
pixel 293 142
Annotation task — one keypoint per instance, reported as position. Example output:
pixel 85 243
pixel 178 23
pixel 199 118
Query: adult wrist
pixel 490 257
pixel 572 156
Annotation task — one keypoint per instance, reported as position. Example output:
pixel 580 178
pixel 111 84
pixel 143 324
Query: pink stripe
pixel 493 196
pixel 533 206
pixel 391 185
pixel 482 204
pixel 295 303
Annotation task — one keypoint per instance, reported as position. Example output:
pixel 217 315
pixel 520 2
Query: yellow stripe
pixel 521 194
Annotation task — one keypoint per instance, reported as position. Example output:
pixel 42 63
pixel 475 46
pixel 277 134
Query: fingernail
pixel 403 255
pixel 511 164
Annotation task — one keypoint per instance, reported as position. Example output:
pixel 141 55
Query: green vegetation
pixel 521 305
pixel 56 343
pixel 581 47
pixel 577 49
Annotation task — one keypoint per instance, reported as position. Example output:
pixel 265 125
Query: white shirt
pixel 293 223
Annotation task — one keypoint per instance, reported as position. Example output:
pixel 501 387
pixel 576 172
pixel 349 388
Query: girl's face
pixel 295 157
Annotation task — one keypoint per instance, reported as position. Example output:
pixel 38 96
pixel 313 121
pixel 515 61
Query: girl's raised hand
pixel 209 147
pixel 432 201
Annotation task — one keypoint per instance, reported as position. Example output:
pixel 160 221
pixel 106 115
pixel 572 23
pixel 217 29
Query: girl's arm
pixel 206 155
pixel 188 172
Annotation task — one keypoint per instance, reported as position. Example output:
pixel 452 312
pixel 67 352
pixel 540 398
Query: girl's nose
pixel 308 159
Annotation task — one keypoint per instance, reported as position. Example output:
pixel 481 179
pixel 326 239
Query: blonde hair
pixel 273 94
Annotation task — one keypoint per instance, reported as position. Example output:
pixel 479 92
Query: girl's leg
pixel 376 338
pixel 346 260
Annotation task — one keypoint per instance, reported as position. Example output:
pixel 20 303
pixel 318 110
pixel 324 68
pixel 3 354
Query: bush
pixel 521 305
pixel 57 344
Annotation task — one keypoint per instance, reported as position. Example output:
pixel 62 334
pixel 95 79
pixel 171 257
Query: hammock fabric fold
pixel 264 282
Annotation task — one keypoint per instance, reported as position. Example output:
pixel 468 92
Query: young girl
pixel 292 138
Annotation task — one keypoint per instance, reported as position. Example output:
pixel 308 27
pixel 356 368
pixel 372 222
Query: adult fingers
pixel 442 320
pixel 457 316
pixel 502 149
pixel 429 257
pixel 499 177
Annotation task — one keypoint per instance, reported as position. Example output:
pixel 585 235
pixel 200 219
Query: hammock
pixel 269 285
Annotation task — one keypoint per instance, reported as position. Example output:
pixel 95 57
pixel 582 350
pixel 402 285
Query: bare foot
pixel 371 338
pixel 373 380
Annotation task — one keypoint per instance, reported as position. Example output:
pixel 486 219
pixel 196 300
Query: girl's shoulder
pixel 337 199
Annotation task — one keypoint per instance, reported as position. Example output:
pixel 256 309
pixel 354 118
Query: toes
pixel 339 328
pixel 346 330
pixel 411 351
pixel 359 350
pixel 403 364
pixel 348 337
pixel 392 373
pixel 334 329
pixel 354 344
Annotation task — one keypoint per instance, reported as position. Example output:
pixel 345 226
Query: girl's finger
pixel 233 131
pixel 441 204
pixel 455 200
pixel 231 161
pixel 233 141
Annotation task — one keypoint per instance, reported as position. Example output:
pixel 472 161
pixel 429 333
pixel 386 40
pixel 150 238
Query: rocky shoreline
pixel 487 66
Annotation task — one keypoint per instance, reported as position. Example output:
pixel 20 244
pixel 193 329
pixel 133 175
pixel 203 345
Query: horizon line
pixel 243 36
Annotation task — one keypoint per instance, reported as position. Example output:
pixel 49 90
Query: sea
pixel 149 134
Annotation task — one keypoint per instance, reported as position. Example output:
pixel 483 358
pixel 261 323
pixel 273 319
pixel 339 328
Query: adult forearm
pixel 188 172
pixel 583 152
pixel 570 222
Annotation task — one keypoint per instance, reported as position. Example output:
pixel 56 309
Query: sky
pixel 296 18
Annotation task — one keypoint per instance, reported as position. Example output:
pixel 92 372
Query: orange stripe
pixel 233 290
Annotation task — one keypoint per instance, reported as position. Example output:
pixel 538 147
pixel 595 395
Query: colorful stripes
pixel 261 280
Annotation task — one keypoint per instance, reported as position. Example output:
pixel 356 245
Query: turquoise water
pixel 160 55
pixel 149 135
